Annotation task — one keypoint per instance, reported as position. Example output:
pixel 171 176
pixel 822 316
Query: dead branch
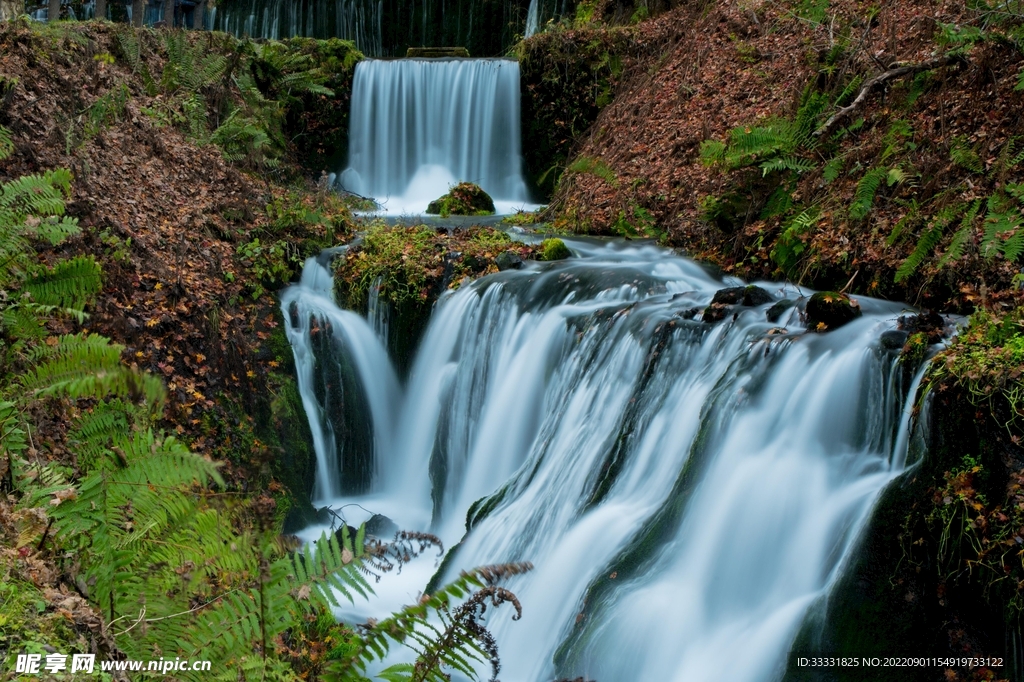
pixel 899 71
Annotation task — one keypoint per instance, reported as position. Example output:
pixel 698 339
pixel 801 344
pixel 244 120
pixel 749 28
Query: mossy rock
pixel 463 199
pixel 724 299
pixel 828 310
pixel 554 249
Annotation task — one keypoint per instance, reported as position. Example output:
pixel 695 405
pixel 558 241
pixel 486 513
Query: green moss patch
pixel 464 198
pixel 411 267
pixel 554 249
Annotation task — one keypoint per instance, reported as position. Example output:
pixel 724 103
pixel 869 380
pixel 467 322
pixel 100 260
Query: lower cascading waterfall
pixel 686 491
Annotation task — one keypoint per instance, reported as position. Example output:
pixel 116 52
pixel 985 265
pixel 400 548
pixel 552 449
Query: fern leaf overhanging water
pixel 686 491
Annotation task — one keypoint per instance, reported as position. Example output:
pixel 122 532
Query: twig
pixel 843 290
pixel 872 83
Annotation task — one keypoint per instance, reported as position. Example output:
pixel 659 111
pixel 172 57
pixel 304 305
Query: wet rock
pixel 716 312
pixel 828 310
pixel 464 198
pixel 351 534
pixel 750 295
pixel 775 312
pixel 381 526
pixel 894 339
pixel 929 323
pixel 725 299
pixel 554 249
pixel 508 260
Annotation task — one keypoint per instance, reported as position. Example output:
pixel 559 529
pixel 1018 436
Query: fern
pixel 832 169
pixel 87 366
pixel 962 236
pixel 864 196
pixel 105 111
pixel 68 284
pixel 790 244
pixel 924 248
pixel 1004 224
pixel 787 163
pixel 6 143
pixel 129 47
pixel 965 157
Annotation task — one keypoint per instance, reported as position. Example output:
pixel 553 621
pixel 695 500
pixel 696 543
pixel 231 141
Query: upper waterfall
pixel 421 125
pixel 357 20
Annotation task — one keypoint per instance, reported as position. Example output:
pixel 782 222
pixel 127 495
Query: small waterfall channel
pixel 688 492
pixel 419 126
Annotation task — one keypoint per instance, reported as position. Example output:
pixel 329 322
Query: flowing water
pixel 356 20
pixel 686 491
pixel 419 126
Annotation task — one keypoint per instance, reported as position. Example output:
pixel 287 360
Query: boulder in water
pixel 775 312
pixel 828 310
pixel 928 323
pixel 893 339
pixel 725 299
pixel 381 526
pixel 554 249
pixel 464 198
pixel 508 260
pixel 750 295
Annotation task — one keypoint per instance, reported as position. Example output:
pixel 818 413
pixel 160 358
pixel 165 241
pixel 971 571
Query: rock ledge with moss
pixel 464 198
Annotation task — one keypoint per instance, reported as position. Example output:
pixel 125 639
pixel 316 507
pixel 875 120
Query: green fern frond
pixel 712 152
pixel 787 163
pixel 962 155
pixel 69 284
pixel 790 244
pixel 925 246
pixel 88 366
pixel 13 437
pixel 864 196
pixel 962 236
pixel 6 143
pixel 36 195
pixel 832 169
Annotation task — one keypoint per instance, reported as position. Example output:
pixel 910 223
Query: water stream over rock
pixel 687 491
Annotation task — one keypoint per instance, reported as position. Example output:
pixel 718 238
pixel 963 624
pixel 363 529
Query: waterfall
pixel 533 18
pixel 686 491
pixel 356 20
pixel 349 410
pixel 419 126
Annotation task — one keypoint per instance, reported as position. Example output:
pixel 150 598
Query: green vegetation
pixel 248 98
pixel 171 563
pixel 568 78
pixel 554 249
pixel 464 198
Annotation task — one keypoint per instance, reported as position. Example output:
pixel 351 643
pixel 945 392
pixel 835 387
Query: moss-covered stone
pixel 464 198
pixel 412 267
pixel 725 299
pixel 828 310
pixel 554 249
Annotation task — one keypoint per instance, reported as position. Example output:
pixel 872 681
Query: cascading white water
pixel 686 491
pixel 310 315
pixel 533 18
pixel 355 20
pixel 419 126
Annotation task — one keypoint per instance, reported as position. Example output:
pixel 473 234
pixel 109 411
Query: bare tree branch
pixel 899 71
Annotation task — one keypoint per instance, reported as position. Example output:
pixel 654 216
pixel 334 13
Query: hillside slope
pixel 724 71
